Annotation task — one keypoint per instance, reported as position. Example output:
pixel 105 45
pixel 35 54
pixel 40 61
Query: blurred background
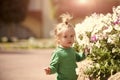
pixel 28 24
pixel 35 19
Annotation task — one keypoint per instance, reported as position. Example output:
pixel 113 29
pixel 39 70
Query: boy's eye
pixel 65 36
pixel 72 36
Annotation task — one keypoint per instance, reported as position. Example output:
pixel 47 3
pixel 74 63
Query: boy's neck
pixel 63 46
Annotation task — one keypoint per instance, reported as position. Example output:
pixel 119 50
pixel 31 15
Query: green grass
pixel 29 44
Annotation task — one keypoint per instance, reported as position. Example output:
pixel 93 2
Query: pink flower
pixel 93 39
pixel 116 22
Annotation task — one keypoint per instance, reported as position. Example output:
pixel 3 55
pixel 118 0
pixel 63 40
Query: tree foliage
pixel 13 10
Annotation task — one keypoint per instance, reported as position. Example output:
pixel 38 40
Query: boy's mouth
pixel 69 42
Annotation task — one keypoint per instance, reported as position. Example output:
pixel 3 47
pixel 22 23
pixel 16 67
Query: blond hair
pixel 64 24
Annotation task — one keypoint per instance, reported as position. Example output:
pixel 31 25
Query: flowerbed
pixel 101 34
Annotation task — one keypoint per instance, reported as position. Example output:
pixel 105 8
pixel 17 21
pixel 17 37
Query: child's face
pixel 66 39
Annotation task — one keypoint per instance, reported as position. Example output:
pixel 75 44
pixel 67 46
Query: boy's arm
pixel 82 56
pixel 54 63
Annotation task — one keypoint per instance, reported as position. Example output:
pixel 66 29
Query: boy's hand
pixel 86 51
pixel 47 70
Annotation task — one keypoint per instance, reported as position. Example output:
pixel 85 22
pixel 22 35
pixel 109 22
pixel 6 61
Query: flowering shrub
pixel 101 34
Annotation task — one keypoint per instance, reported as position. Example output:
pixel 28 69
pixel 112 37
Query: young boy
pixel 64 57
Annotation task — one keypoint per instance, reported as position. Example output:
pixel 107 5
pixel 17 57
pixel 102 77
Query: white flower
pixel 117 27
pixel 108 30
pixel 98 44
pixel 111 38
pixel 97 27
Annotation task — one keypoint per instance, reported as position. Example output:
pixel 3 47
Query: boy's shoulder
pixel 58 50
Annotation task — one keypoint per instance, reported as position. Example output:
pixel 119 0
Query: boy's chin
pixel 67 46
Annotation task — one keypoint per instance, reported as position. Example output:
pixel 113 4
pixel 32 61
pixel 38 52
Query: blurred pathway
pixel 25 65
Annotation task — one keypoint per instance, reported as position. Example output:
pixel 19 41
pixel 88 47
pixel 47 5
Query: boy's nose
pixel 70 39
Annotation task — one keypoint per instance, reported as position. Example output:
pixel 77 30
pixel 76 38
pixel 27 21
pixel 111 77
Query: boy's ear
pixel 58 40
pixel 74 38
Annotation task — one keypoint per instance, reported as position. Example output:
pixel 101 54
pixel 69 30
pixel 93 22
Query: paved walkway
pixel 25 65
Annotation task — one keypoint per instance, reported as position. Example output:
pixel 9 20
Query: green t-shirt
pixel 64 63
